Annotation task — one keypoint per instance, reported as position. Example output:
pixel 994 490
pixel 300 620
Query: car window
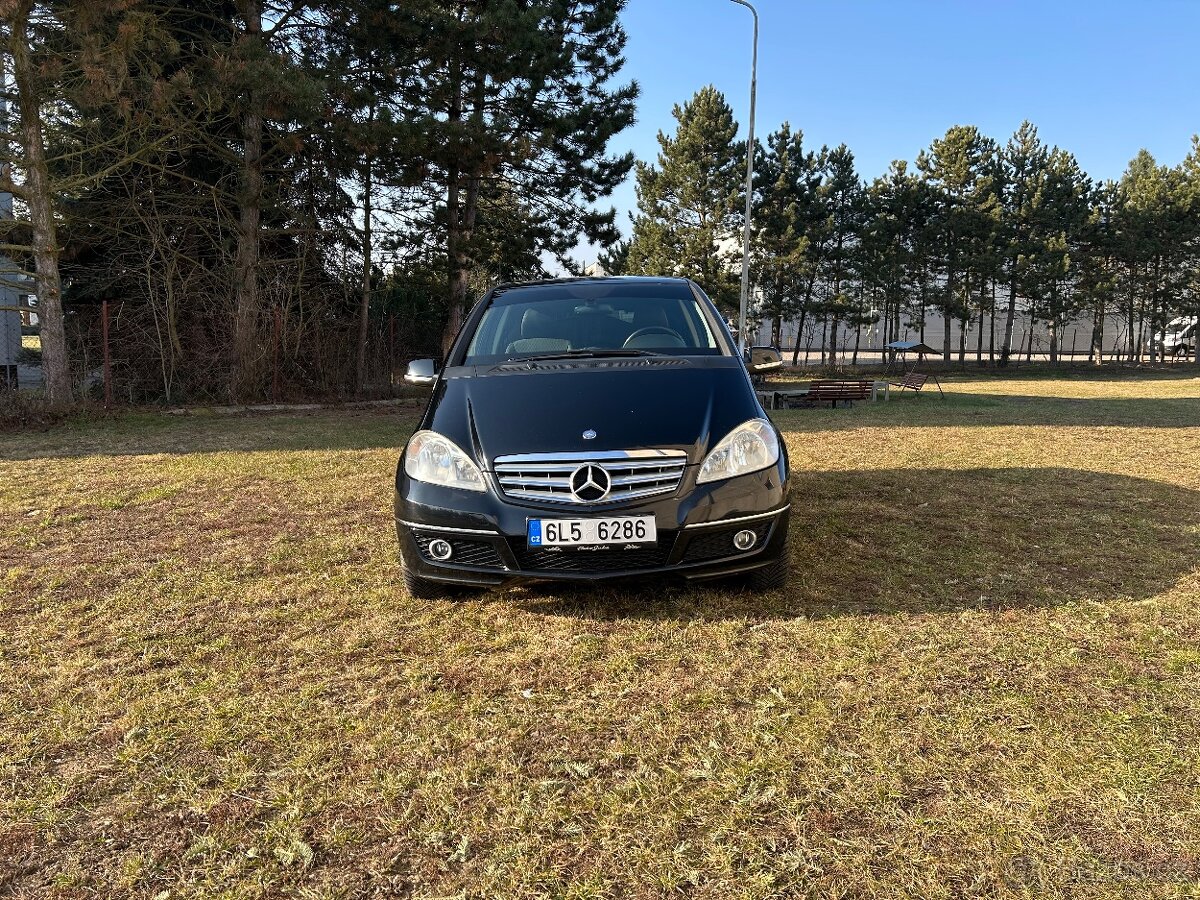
pixel 579 316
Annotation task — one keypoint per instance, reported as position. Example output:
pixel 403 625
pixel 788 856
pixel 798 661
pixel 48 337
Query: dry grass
pixel 982 682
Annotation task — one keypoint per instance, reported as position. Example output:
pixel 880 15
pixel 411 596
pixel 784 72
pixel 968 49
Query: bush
pixel 23 411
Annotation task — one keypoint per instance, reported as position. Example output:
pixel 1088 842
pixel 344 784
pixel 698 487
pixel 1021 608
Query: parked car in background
pixel 1179 338
pixel 586 429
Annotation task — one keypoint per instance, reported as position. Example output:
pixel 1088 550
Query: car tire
pixel 771 577
pixel 421 588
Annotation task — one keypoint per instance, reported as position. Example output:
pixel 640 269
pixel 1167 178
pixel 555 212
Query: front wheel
pixel 771 577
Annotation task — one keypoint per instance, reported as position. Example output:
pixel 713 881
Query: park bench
pixel 914 382
pixel 831 392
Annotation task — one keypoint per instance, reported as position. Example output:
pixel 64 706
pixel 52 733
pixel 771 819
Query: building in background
pixel 12 290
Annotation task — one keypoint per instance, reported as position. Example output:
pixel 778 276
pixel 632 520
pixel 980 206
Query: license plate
pixel 614 531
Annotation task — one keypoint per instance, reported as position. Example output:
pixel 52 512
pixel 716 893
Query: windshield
pixel 592 319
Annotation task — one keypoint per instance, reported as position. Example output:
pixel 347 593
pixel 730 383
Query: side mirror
pixel 763 359
pixel 421 371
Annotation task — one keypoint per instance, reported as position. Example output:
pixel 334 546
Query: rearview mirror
pixel 421 371
pixel 763 359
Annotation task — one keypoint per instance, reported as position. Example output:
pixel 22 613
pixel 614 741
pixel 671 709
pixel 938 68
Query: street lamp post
pixel 749 186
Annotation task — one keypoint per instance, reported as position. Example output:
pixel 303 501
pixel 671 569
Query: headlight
pixel 432 458
pixel 748 448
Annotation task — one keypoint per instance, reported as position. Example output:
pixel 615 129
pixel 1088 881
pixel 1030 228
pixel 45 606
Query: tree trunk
pixel 857 343
pixel 966 318
pixel 979 341
pixel 246 343
pixel 799 338
pixel 1010 322
pixel 462 204
pixel 36 193
pixel 1132 324
pixel 1196 338
pixel 1053 342
pixel 1096 356
pixel 992 319
pixel 364 310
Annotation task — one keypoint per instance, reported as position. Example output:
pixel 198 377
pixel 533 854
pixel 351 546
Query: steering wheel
pixel 654 329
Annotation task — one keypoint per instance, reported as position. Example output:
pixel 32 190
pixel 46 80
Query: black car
pixel 592 428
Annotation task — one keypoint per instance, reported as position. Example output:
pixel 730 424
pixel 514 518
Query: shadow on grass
pixel 960 408
pixel 928 541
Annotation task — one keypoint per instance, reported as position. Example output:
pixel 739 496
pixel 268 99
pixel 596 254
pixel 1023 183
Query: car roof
pixel 592 279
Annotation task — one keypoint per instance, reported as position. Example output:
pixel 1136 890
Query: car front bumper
pixel 695 525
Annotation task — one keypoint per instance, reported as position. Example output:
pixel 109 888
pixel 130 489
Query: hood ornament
pixel 589 435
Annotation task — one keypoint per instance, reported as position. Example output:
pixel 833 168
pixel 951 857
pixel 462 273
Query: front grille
pixel 466 553
pixel 718 542
pixel 633 474
pixel 585 561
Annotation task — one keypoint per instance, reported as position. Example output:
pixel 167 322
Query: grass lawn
pixel 984 679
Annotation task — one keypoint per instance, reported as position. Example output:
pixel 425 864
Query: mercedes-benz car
pixel 587 429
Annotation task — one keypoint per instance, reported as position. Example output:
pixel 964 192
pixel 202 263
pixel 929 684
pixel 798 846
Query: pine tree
pixel 27 40
pixel 367 65
pixel 689 205
pixel 519 92
pixel 959 167
pixel 1023 161
pixel 892 253
pixel 1097 264
pixel 1189 197
pixel 1154 222
pixel 1063 200
pixel 615 259
pixel 788 204
pixel 843 201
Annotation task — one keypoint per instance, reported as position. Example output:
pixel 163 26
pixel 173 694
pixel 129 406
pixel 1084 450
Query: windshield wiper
pixel 595 353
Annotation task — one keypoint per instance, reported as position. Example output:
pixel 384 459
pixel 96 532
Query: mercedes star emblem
pixel 590 483
pixel 589 435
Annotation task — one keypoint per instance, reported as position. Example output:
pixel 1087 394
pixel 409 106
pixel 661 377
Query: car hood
pixel 684 403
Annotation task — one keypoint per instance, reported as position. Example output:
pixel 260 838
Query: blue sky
pixel 1101 79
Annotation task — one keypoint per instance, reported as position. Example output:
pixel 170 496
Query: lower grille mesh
pixel 466 553
pixel 718 542
pixel 543 560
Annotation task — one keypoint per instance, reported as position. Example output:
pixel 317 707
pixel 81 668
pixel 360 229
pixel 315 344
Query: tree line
pixel 258 186
pixel 974 230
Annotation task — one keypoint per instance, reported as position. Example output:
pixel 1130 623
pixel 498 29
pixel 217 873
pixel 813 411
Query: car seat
pixel 539 334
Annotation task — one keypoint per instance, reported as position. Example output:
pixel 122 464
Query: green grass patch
pixel 982 680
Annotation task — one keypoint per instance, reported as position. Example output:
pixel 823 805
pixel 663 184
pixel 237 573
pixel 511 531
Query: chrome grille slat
pixel 645 479
pixel 526 481
pixel 634 474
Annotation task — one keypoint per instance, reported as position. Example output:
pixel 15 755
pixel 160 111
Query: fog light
pixel 744 540
pixel 440 550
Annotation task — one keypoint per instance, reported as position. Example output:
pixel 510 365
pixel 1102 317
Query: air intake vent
pixel 589 364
